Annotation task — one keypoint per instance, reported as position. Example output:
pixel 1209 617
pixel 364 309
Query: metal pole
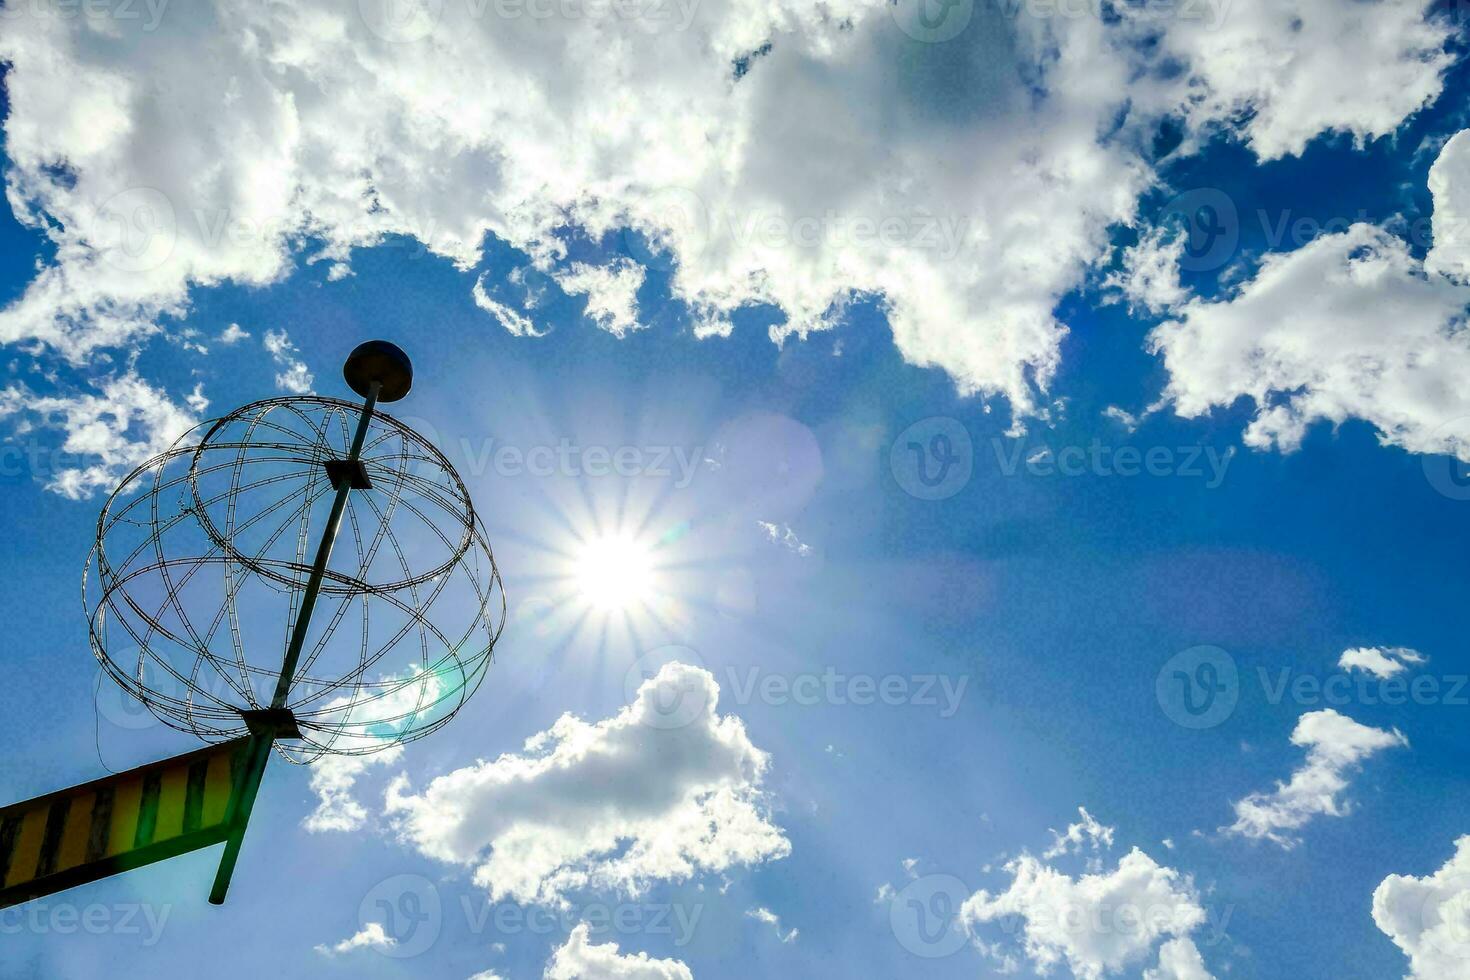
pixel 323 553
pixel 242 800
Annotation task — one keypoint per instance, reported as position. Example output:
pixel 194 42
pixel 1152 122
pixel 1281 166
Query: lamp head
pixel 380 361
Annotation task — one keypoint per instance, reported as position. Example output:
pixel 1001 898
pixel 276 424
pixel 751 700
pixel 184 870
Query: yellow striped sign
pixel 118 823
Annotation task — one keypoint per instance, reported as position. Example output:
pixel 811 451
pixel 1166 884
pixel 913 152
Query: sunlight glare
pixel 615 573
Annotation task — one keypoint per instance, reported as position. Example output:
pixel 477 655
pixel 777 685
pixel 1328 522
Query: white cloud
pixel 783 535
pixel 1291 69
pixel 294 376
pixel 1381 662
pixel 232 334
pixel 332 780
pixel 1087 833
pixel 1348 326
pixel 370 936
pixel 335 775
pixel 1429 918
pixel 196 401
pixel 616 804
pixel 535 287
pixel 1179 959
pixel 1336 746
pixel 773 920
pixel 1449 183
pixel 1097 924
pixel 516 323
pixel 296 379
pixel 1149 279
pixel 487 975
pixel 611 291
pixel 969 185
pixel 105 434
pixel 1124 418
pixel 579 959
pixel 188 339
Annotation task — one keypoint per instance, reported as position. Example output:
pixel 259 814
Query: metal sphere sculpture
pixel 301 553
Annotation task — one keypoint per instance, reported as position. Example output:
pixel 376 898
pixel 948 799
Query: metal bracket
pixel 352 469
pixel 271 723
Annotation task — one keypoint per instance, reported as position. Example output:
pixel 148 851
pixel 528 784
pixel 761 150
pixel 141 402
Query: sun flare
pixel 615 573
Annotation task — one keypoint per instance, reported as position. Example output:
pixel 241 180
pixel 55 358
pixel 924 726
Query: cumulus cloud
pixel 1098 924
pixel 196 401
pixel 332 780
pixel 335 776
pixel 516 323
pixel 1429 918
pixel 1381 662
pixel 1292 70
pixel 105 434
pixel 1336 747
pixel 294 376
pixel 785 153
pixel 1149 278
pixel 617 804
pixel 611 291
pixel 1179 959
pixel 1348 326
pixel 232 334
pixel 370 936
pixel 579 959
pixel 1449 184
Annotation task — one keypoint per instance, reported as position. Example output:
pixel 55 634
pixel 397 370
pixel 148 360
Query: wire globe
pixel 203 552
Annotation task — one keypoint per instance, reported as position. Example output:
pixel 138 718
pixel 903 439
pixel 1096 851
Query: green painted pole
pixel 242 800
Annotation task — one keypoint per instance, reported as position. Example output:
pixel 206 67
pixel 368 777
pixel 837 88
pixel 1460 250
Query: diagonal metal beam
pixel 264 736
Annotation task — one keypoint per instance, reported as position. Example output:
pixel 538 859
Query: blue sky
pixel 1273 479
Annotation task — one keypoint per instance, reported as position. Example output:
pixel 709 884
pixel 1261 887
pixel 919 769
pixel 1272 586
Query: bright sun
pixel 615 573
